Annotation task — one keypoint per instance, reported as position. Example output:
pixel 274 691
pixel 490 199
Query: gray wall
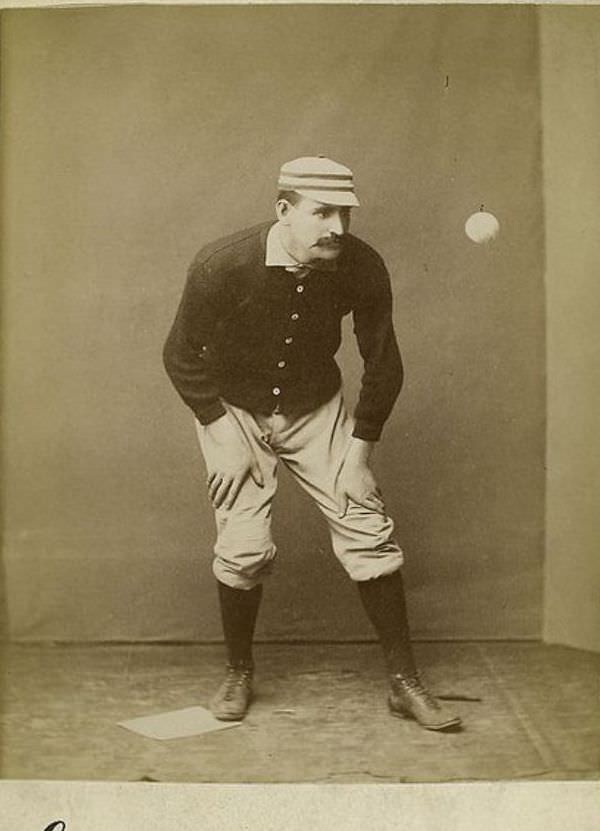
pixel 570 41
pixel 134 135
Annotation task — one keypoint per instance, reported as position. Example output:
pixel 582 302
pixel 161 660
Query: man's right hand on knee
pixel 231 462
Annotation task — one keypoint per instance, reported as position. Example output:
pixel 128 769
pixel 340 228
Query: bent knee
pixel 243 569
pixel 368 565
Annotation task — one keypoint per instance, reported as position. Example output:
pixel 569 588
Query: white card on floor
pixel 177 724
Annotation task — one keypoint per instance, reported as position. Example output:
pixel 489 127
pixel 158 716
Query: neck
pixel 301 255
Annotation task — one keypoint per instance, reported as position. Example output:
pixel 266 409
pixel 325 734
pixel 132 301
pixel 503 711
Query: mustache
pixel 329 241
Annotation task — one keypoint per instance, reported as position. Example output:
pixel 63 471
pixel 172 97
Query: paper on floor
pixel 177 724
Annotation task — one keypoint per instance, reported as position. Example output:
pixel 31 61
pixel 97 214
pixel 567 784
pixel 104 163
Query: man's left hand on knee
pixel 355 481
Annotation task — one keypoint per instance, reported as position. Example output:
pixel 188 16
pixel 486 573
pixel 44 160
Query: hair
pixel 290 196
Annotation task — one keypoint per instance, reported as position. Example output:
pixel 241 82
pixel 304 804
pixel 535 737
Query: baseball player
pixel 252 353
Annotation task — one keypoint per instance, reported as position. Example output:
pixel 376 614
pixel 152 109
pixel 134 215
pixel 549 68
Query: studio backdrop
pixel 132 136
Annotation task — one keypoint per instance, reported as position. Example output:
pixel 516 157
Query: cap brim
pixel 340 198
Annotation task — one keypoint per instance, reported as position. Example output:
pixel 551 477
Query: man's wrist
pixel 367 430
pixel 359 450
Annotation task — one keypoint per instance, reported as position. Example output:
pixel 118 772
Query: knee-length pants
pixel 312 447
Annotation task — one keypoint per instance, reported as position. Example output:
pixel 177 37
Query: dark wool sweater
pixel 245 332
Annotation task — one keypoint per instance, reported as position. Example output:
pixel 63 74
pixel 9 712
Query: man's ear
pixel 282 209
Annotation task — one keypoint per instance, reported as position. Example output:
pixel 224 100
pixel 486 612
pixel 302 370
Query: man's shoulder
pixel 236 248
pixel 361 253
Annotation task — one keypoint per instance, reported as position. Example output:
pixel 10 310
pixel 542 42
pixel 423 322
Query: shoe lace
pixel 415 685
pixel 236 677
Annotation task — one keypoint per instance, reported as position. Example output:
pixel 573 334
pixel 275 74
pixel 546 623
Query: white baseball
pixel 482 227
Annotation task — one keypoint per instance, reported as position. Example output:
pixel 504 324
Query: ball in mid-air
pixel 482 227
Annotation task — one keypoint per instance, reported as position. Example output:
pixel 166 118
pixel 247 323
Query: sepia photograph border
pixel 120 806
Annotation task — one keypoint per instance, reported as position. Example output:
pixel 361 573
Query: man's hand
pixel 234 462
pixel 356 482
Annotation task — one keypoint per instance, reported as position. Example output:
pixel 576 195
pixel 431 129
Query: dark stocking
pixel 385 604
pixel 239 609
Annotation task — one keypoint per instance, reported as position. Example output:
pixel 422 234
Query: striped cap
pixel 320 179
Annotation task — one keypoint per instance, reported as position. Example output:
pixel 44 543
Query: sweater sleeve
pixel 186 351
pixel 383 371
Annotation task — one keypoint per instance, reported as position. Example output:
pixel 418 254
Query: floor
pixel 530 711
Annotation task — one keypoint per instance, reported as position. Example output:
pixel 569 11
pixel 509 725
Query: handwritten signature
pixel 57 825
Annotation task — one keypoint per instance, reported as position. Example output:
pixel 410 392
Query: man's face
pixel 313 230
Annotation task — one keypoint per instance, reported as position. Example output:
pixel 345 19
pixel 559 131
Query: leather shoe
pixel 409 698
pixel 232 699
